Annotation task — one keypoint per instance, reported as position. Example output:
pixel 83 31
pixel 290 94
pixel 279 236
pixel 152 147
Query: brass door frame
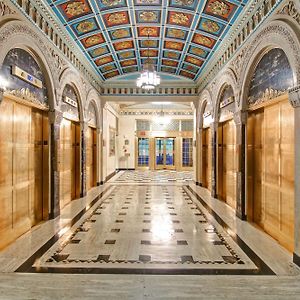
pixel 164 166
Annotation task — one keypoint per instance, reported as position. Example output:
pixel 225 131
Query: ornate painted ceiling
pixel 113 34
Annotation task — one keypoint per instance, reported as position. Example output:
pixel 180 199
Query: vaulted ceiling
pixel 113 34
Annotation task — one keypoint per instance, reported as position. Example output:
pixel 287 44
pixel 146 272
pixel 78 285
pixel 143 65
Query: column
pixel 199 156
pixel 55 119
pixel 240 119
pixel 99 157
pixel 294 97
pixel 214 128
pixel 83 129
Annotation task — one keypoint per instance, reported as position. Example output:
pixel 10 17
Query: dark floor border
pixel 111 175
pixel 264 269
pixel 296 259
pixel 128 169
pixel 27 265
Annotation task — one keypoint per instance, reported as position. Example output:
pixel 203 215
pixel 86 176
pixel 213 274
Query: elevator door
pixel 206 158
pixel 165 153
pixel 270 171
pixel 91 158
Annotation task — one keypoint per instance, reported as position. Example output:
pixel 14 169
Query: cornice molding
pixel 294 96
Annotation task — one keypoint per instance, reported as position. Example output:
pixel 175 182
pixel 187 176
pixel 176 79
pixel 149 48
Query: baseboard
pixel 296 259
pixel 110 175
pixel 128 169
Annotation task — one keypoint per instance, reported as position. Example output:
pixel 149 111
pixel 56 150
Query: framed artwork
pixel 112 141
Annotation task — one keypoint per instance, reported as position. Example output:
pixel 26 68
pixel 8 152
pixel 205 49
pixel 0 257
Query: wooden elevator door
pixel 91 158
pixel 75 165
pixel 271 179
pixel 41 165
pixel 206 158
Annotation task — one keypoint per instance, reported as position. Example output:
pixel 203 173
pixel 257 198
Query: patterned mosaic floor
pixel 162 176
pixel 147 227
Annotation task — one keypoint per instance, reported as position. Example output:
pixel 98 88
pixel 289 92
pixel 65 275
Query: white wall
pixel 110 163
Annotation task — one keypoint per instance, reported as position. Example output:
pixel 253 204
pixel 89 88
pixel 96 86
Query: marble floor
pixel 141 236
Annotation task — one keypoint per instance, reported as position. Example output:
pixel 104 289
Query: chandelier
pixel 148 79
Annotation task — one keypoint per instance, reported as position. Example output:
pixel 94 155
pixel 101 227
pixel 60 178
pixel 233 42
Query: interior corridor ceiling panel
pixel 183 34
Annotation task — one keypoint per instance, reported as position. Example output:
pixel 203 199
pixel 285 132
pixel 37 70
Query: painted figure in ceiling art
pixel 149 53
pixel 168 69
pixel 149 44
pixel 93 40
pixel 210 26
pixel 203 40
pixel 172 55
pixel 184 2
pixel 127 54
pixel 108 68
pixel 148 2
pixel 120 33
pixel 123 45
pixel 187 74
pixel 170 63
pixel 99 51
pixel 117 18
pixel 130 70
pixel 73 9
pixel 112 2
pixel 198 52
pixel 194 60
pixel 111 74
pixel 129 62
pixel 179 18
pixel 104 60
pixel 86 26
pixel 148 31
pixel 174 45
pixel 220 8
pixel 176 33
pixel 190 68
pixel 148 16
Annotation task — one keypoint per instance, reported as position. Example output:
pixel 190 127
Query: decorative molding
pixel 240 117
pixel 294 96
pixel 291 10
pixel 55 117
pixel 2 90
pixel 153 113
pixel 5 9
pixel 158 91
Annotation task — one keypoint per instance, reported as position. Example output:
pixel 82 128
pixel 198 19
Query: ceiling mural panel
pixel 117 36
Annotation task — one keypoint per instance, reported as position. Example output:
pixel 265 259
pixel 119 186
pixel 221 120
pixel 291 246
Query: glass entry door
pixel 165 153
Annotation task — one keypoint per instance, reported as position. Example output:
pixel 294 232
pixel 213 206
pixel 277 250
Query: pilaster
pixel 240 119
pixel 200 156
pixel 83 130
pixel 294 98
pixel 214 128
pixel 55 119
pixel 99 156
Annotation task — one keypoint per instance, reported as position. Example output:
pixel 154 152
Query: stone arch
pixel 93 98
pixel 227 78
pixel 70 77
pixel 16 34
pixel 277 34
pixel 205 99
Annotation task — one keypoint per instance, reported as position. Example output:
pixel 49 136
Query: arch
pixel 16 34
pixel 277 34
pixel 205 99
pixel 227 78
pixel 93 98
pixel 70 77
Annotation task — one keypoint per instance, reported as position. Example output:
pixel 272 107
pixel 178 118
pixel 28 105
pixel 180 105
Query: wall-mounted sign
pixel 70 101
pixel 206 114
pixel 227 102
pixel 16 71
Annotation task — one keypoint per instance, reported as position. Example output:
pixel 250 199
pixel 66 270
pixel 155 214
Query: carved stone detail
pixel 240 117
pixel 1 94
pixel 5 9
pixel 291 10
pixel 294 96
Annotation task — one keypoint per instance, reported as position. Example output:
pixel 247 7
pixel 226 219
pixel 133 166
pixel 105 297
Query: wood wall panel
pixel 206 158
pixel 91 159
pixel 21 169
pixel 271 179
pixel 226 163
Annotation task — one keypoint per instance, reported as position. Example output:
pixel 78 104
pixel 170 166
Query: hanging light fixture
pixel 148 79
pixel 161 118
